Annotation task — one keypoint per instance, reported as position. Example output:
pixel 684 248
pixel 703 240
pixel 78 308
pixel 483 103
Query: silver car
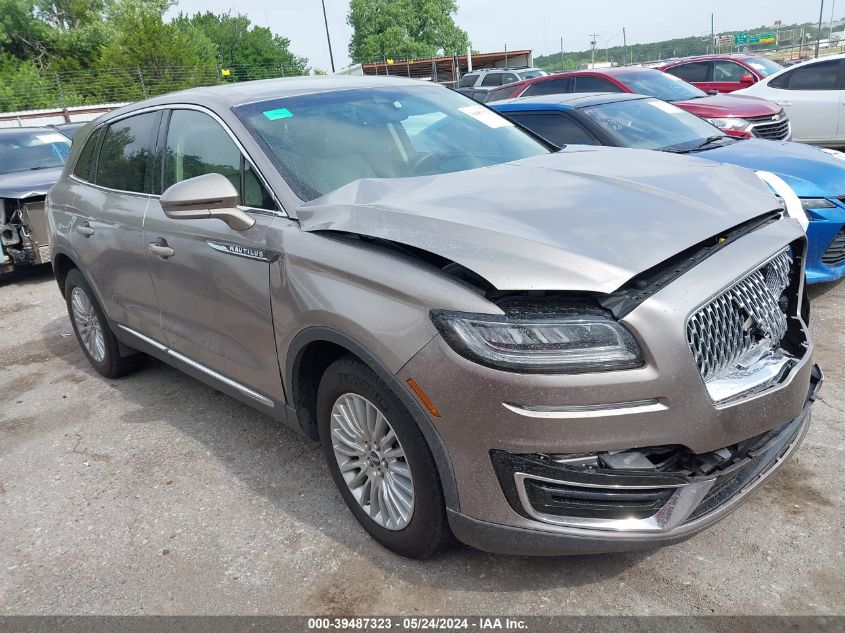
pixel 534 350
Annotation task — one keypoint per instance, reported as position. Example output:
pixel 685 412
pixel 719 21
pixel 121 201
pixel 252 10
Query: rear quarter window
pixel 82 169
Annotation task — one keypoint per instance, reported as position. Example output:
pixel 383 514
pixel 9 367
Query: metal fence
pixel 110 85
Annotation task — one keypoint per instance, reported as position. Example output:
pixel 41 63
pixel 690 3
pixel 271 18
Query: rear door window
pixel 594 84
pixel 818 76
pixel 556 127
pixel 126 153
pixel 492 79
pixel 694 72
pixel 549 87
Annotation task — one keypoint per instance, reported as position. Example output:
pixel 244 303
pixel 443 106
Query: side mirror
pixel 747 79
pixel 206 196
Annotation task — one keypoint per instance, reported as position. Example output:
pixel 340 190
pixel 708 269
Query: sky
pixel 534 24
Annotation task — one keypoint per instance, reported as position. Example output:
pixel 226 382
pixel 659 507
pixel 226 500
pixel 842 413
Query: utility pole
pixel 712 35
pixel 593 41
pixel 328 37
pixel 624 46
pixel 830 29
pixel 819 32
pixel 562 65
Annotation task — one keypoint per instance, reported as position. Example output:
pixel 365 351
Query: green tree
pixel 403 29
pixel 248 51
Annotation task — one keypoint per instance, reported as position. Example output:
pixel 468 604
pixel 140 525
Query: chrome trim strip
pixel 575 411
pixel 267 402
pixel 236 250
pixel 189 106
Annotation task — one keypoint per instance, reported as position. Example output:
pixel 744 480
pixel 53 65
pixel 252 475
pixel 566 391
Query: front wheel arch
pixel 300 379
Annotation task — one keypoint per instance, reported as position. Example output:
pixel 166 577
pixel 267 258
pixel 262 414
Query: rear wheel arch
pixel 62 265
pixel 313 350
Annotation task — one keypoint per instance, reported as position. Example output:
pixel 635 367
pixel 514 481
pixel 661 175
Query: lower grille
pixel 835 253
pixel 766 127
pixel 565 500
pixel 741 319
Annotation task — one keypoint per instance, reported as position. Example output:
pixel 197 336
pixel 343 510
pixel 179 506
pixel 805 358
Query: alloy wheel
pixel 88 324
pixel 372 461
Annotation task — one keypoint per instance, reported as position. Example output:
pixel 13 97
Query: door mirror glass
pixel 747 79
pixel 206 196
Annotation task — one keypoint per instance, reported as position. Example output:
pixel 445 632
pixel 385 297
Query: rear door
pixel 113 194
pixel 812 97
pixel 587 83
pixel 557 86
pixel 213 282
pixel 698 74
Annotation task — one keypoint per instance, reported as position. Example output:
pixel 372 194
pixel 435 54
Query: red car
pixel 722 73
pixel 737 116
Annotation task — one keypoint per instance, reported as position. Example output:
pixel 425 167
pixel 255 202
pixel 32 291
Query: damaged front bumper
pixel 628 500
pixel 24 239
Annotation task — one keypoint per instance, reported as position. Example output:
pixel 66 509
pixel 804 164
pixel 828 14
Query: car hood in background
pixel 810 171
pixel 729 106
pixel 584 218
pixel 26 184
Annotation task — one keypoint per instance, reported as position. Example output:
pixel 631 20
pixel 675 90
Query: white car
pixel 812 95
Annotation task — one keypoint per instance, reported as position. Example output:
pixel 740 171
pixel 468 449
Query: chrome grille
pixel 740 318
pixel 835 253
pixel 766 127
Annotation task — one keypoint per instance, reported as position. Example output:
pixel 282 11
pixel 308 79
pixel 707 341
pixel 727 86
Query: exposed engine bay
pixel 23 233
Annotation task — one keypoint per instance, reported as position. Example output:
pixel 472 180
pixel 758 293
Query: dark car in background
pixel 817 176
pixel 737 116
pixel 69 129
pixel 31 161
pixel 722 73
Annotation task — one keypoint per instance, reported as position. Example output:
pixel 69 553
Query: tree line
pixel 58 52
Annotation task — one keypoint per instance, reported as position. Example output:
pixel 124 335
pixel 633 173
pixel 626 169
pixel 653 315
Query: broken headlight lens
pixel 563 345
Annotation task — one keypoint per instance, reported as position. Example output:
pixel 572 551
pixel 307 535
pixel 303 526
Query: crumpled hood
pixel 583 219
pixel 26 184
pixel 810 171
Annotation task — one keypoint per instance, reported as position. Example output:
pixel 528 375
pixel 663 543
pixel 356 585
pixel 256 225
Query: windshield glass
pixel 654 83
pixel 23 150
pixel 320 142
pixel 651 124
pixel 764 66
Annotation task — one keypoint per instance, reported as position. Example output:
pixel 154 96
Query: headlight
pixel 562 344
pixel 729 123
pixel 816 203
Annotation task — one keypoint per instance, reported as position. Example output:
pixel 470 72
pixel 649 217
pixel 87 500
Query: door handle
pixel 160 248
pixel 85 229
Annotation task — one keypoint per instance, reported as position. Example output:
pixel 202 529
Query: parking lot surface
pixel 154 494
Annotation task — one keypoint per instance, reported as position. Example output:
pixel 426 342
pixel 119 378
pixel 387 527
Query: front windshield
pixel 320 142
pixel 764 66
pixel 651 124
pixel 654 83
pixel 24 150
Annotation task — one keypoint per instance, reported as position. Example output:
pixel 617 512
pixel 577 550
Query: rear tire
pixel 92 330
pixel 385 458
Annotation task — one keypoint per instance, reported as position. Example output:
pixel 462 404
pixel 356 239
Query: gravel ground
pixel 154 494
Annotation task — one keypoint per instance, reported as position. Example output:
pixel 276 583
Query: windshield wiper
pixel 702 145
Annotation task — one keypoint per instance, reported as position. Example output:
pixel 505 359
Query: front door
pixel 213 282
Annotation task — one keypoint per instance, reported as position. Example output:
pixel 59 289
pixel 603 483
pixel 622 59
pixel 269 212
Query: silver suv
pixel 538 351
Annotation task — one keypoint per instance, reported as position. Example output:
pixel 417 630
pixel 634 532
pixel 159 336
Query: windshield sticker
pixel 278 113
pixel 485 116
pixel 51 138
pixel 666 107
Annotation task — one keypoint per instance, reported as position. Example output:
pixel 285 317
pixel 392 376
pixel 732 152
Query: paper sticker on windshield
pixel 51 138
pixel 278 113
pixel 485 116
pixel 666 107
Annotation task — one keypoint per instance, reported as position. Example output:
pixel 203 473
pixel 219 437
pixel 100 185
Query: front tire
pixel 92 330
pixel 380 461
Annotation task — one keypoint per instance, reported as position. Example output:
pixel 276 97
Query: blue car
pixel 624 120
